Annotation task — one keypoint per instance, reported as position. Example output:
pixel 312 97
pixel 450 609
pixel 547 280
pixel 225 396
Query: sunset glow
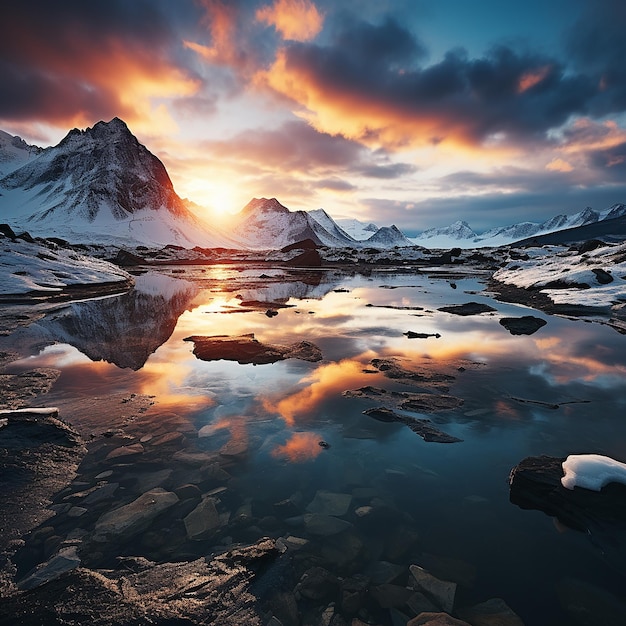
pixel 412 114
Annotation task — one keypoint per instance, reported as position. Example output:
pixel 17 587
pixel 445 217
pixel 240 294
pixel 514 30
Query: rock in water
pixel 525 325
pixel 469 308
pixel 246 349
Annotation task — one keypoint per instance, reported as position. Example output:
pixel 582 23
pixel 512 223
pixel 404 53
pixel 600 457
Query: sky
pixel 417 113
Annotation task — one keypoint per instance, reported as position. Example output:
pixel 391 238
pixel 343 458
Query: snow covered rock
pixel 37 270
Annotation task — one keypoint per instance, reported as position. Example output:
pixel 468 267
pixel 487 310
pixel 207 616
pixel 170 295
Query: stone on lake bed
pixel 134 517
pixel 329 503
pixel 494 611
pixel 203 521
pixel 123 451
pixel 525 325
pixel 436 619
pixel 442 592
pixel 325 525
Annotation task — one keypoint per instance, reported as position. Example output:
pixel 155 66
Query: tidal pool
pixel 267 442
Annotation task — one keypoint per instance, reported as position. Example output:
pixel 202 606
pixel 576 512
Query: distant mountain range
pixel 101 185
pixel 460 233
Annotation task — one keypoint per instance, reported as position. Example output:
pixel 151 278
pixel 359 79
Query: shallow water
pixel 443 506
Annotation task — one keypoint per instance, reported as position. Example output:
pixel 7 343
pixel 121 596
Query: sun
pixel 221 199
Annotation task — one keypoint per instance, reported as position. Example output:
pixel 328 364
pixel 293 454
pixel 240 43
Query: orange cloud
pixel 374 121
pixel 559 165
pixel 224 22
pixel 300 447
pixel 529 79
pixel 90 65
pixel 297 20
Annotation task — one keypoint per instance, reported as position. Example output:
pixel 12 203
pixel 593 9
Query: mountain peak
pixel 264 205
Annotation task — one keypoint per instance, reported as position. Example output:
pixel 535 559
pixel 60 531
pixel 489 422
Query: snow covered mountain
pixel 388 237
pixel 460 234
pixel 357 229
pixel 102 185
pixel 14 152
pixel 265 224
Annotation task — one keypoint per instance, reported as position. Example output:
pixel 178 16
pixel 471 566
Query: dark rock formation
pixel 602 276
pixel 246 349
pixel 423 428
pixel 306 244
pixel 309 258
pixel 525 325
pixel 469 308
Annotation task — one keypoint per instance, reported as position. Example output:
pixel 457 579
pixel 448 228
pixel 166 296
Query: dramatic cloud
pixel 298 20
pixel 369 84
pixel 76 62
pixel 296 147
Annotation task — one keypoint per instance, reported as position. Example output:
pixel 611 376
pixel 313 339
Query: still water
pixel 263 440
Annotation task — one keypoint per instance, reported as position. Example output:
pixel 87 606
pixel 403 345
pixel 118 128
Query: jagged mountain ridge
pixel 14 152
pixel 264 223
pixel 102 183
pixel 267 224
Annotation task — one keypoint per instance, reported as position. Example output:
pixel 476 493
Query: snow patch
pixel 592 471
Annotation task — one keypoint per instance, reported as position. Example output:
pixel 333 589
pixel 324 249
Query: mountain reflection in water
pixel 249 436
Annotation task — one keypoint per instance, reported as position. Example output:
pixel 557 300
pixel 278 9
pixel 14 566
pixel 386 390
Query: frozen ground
pixel 567 276
pixel 39 270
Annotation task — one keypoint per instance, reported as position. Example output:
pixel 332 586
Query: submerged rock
pixel 132 518
pixel 491 612
pixel 328 503
pixel 325 525
pixel 436 619
pixel 422 427
pixel 441 592
pixel 246 349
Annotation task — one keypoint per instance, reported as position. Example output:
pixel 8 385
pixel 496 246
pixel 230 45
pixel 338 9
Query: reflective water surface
pixel 263 440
